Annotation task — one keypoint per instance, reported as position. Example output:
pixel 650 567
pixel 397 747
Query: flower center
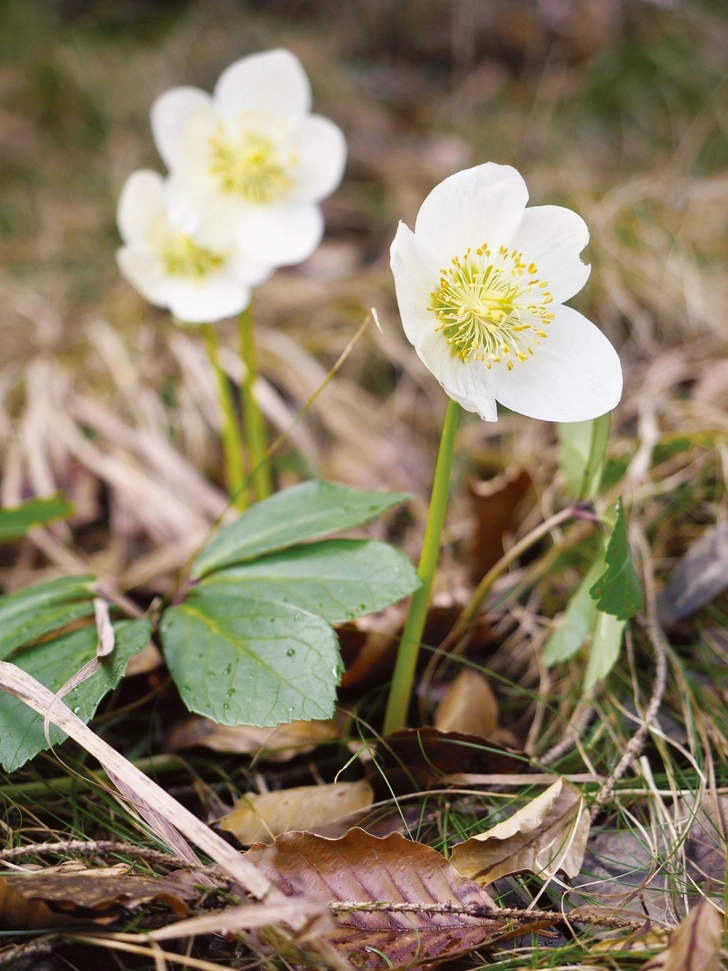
pixel 492 308
pixel 250 165
pixel 181 256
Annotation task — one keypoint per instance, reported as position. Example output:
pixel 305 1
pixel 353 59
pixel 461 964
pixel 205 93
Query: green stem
pixel 253 420
pixel 400 691
pixel 231 440
pixel 39 789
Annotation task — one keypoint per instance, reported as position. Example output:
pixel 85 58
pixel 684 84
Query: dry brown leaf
pixel 468 706
pixel 40 899
pixel 279 744
pixel 547 835
pixel 420 758
pixel 260 817
pixel 360 867
pixel 699 576
pixel 496 503
pixel 696 942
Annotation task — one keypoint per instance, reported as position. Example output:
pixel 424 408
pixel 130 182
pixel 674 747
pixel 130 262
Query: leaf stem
pixel 231 441
pixel 253 420
pixel 400 691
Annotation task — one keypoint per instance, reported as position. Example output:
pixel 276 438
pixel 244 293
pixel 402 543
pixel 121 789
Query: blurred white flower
pixel 251 158
pixel 480 286
pixel 172 268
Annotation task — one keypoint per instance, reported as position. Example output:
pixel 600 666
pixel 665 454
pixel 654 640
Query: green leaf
pixel 577 622
pixel 338 579
pixel 618 591
pixel 250 662
pixel 53 663
pixel 45 607
pixel 583 447
pixel 605 648
pixel 290 517
pixel 36 512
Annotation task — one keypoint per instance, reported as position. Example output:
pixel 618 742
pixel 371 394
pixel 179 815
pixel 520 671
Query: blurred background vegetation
pixel 616 108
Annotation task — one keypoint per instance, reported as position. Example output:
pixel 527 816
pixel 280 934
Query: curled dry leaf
pixel 40 899
pixel 547 835
pixel 468 706
pixel 279 744
pixel 363 868
pixel 261 817
pixel 696 942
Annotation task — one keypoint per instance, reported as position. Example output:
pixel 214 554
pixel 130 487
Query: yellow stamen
pixel 250 166
pixel 486 311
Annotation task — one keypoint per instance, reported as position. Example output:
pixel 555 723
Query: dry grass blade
pixel 547 835
pixel 40 699
pixel 232 919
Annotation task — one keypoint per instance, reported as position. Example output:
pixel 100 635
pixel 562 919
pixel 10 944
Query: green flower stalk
pixel 400 692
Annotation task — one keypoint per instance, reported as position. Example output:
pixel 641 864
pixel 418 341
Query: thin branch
pixel 584 915
pixel 93 848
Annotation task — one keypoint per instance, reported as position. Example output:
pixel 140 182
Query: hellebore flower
pixel 481 285
pixel 251 158
pixel 170 267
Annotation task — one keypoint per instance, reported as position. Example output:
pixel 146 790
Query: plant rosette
pixel 171 267
pixel 251 159
pixel 481 285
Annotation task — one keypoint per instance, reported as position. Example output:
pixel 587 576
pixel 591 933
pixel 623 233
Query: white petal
pixel 272 84
pixel 479 205
pixel 552 237
pixel 140 267
pixel 415 277
pixel 321 151
pixel 208 301
pixel 574 375
pixel 183 119
pixel 280 233
pixel 141 203
pixel 467 383
pixel 195 208
pixel 250 272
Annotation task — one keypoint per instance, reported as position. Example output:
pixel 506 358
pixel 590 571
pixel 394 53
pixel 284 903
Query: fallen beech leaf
pixel 40 899
pixel 364 868
pixel 419 758
pixel 547 835
pixel 696 942
pixel 468 706
pixel 699 576
pixel 260 817
pixel 496 503
pixel 369 646
pixel 279 744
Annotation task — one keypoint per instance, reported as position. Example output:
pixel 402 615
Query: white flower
pixel 251 158
pixel 170 267
pixel 480 286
